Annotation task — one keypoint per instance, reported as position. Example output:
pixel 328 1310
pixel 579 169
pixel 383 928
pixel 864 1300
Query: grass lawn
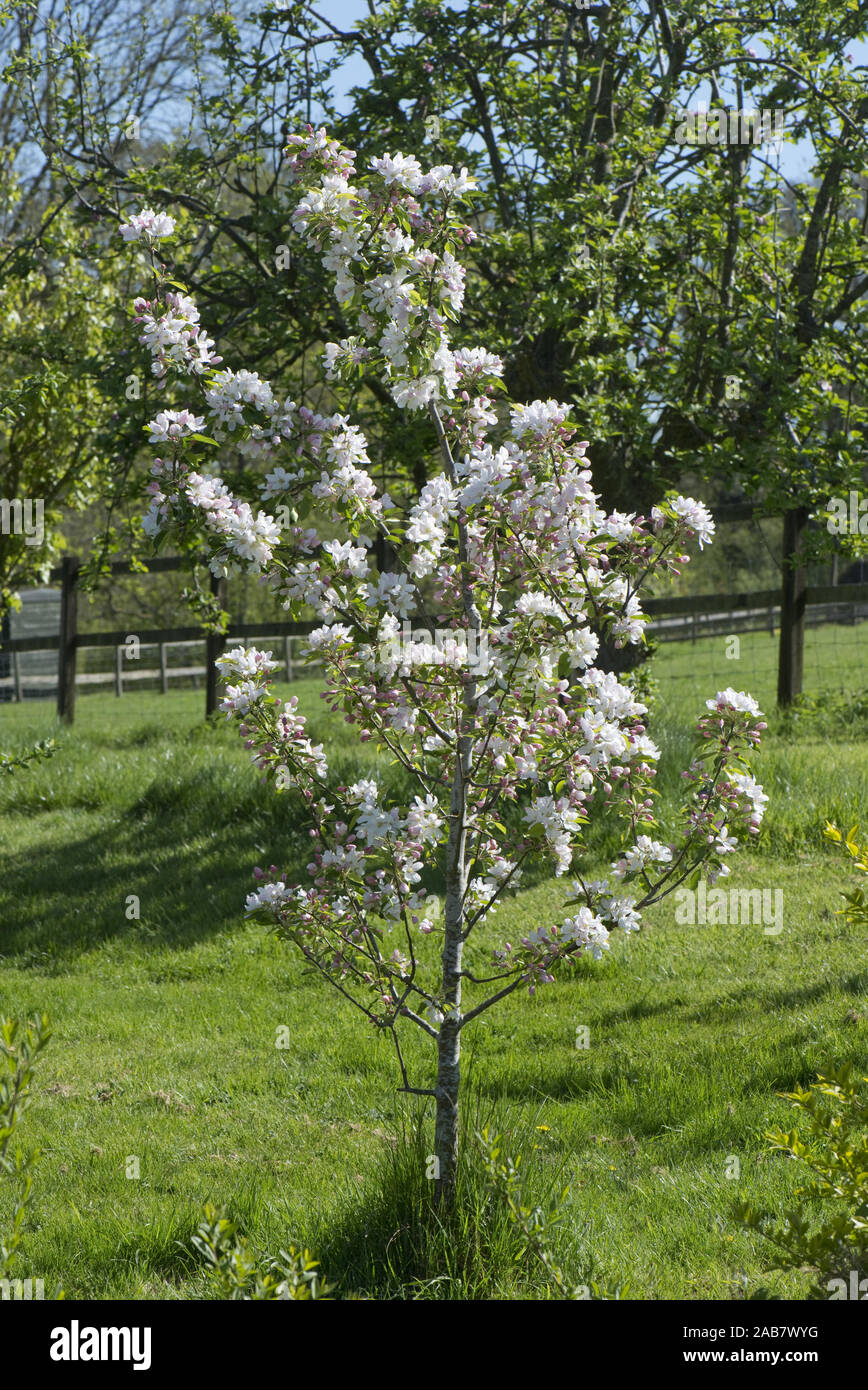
pixel 165 1026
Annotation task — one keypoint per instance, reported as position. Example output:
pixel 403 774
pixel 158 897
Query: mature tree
pixel 64 363
pixel 58 412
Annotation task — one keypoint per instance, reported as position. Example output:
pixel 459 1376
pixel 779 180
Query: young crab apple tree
pixel 505 718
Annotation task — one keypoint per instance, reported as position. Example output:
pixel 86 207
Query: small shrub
pixel 236 1271
pixel 834 1150
pixel 536 1225
pixel 856 910
pixel 20 1045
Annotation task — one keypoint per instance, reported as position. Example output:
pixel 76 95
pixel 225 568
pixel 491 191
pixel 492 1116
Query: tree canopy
pixel 702 308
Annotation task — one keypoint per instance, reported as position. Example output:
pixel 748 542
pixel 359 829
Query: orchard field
pixel 166 1030
pixel 442 427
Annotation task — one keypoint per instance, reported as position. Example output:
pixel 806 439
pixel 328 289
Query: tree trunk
pixel 449 1045
pixel 792 642
pixel 215 645
pixel 446 1123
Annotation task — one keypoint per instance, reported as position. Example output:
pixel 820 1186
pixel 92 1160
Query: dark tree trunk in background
pixel 792 643
pixel 214 646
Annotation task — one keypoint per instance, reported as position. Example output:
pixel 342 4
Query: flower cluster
pixel 174 338
pixel 559 823
pixel 725 794
pixel 387 244
pixel 695 518
pixel 148 226
pixel 240 537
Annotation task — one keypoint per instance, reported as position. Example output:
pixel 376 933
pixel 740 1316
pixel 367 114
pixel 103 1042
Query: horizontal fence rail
pixel 688 619
pixel 702 607
pixel 131 670
pixel 153 636
pixel 760 598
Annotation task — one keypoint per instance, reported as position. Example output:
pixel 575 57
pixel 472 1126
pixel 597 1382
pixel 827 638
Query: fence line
pixel 123 675
pixel 672 619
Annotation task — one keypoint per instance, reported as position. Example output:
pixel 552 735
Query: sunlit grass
pixel 166 1028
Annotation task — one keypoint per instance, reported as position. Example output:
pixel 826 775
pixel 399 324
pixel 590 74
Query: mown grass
pixel 166 1026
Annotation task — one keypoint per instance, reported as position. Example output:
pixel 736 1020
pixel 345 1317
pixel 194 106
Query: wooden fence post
pixel 214 645
pixel 164 669
pixel 16 676
pixel 792 644
pixel 119 671
pixel 67 651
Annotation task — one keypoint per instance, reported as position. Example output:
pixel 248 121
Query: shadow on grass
pixel 759 997
pixel 385 1242
pixel 645 1095
pixel 186 850
pixel 185 847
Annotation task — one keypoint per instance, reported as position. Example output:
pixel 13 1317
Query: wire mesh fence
pixel 733 638
pixel 835 659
